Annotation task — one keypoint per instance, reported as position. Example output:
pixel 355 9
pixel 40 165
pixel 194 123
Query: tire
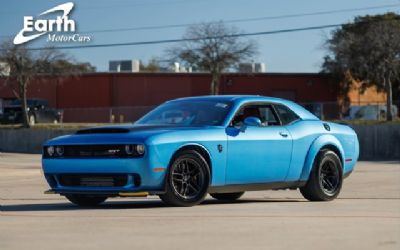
pixel 32 120
pixel 85 200
pixel 187 181
pixel 227 196
pixel 326 178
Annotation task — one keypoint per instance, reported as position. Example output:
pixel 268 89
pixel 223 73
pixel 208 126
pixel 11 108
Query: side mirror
pixel 250 121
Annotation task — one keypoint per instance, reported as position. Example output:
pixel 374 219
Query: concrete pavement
pixel 365 216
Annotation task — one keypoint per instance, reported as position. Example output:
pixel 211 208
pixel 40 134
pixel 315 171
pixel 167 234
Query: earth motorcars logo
pixel 37 27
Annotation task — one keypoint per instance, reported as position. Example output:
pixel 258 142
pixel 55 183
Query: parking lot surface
pixel 365 216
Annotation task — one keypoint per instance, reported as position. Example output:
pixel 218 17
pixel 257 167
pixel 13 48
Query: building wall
pixel 90 96
pixel 142 89
pixel 369 96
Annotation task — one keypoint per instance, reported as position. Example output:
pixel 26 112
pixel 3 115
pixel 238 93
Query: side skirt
pixel 256 187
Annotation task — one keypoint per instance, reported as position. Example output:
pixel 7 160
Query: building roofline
pixel 205 74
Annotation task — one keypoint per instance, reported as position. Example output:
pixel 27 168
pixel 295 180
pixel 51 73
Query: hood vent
pixel 102 131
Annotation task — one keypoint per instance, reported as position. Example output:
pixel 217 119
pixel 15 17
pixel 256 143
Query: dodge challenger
pixel 190 147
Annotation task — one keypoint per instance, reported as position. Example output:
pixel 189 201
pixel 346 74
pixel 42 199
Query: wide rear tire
pixel 326 178
pixel 227 196
pixel 85 200
pixel 187 180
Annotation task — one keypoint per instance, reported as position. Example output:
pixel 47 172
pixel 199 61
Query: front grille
pixel 94 151
pixel 90 180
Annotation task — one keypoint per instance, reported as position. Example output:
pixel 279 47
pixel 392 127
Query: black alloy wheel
pixel 326 177
pixel 188 179
pixel 329 177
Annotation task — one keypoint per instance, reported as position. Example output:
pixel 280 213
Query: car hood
pixel 117 134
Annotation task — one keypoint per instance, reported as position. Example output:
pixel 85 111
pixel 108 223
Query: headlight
pixel 140 149
pixel 50 150
pixel 60 150
pixel 129 149
pixel 137 149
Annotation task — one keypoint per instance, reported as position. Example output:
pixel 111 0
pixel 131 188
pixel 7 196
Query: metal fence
pixel 324 110
pixel 104 115
pixel 354 111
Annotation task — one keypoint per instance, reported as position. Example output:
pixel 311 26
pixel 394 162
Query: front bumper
pixel 139 176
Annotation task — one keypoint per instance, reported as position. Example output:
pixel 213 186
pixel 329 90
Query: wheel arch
pixel 323 142
pixel 198 148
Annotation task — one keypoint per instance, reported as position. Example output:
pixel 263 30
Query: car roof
pixel 220 97
pixel 242 99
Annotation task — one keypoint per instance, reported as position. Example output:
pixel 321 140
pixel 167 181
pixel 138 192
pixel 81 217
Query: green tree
pixel 368 50
pixel 20 66
pixel 213 47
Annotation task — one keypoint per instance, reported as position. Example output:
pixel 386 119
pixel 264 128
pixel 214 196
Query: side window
pixel 287 116
pixel 268 116
pixel 262 111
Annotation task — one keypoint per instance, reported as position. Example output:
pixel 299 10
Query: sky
pixel 284 52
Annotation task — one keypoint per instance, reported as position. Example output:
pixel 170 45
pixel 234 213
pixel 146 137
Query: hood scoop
pixel 103 131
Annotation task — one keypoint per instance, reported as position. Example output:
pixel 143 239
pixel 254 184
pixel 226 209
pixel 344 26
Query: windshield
pixel 187 113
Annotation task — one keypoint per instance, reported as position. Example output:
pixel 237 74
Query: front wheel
pixel 187 181
pixel 85 200
pixel 326 178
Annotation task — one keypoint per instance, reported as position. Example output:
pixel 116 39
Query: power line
pixel 187 39
pixel 246 19
pixel 242 20
pixel 118 6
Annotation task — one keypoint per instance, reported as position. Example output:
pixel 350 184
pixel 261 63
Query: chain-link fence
pixel 355 111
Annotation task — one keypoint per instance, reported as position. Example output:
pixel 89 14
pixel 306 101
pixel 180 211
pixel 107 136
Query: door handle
pixel 283 134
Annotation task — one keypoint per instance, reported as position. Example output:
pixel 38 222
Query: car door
pixel 257 154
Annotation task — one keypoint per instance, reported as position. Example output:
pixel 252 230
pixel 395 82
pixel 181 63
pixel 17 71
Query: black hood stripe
pixel 121 130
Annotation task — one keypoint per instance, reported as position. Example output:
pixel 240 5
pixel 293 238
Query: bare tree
pixel 213 47
pixel 23 65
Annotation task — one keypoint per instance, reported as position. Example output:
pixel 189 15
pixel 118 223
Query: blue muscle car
pixel 189 147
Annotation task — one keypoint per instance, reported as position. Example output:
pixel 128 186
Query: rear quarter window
pixel 286 115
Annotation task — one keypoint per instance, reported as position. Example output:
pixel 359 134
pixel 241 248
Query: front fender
pixel 320 142
pixel 163 147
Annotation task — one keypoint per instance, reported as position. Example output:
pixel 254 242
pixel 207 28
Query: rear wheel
pixel 85 200
pixel 188 180
pixel 326 178
pixel 227 196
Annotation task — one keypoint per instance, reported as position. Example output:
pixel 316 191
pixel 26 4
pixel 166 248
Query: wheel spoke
pixel 181 189
pixel 179 180
pixel 194 186
pixel 177 175
pixel 194 172
pixel 328 183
